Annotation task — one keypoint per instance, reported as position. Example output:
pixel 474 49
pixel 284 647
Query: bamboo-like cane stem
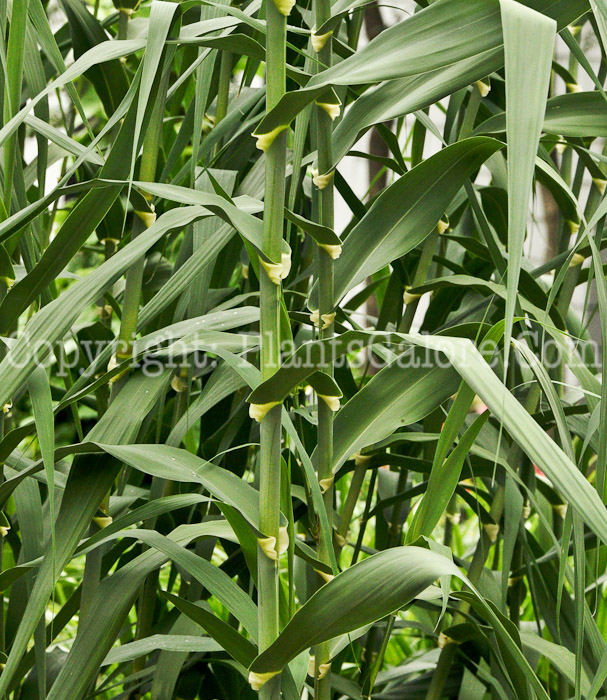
pixel 325 214
pixel 270 429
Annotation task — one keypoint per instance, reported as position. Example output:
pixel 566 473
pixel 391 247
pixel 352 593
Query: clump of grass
pixel 273 437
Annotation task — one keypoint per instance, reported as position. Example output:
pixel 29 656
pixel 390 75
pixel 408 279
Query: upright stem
pixel 128 323
pixel 347 511
pixel 134 275
pixel 223 89
pixel 423 266
pixel 123 22
pixel 325 204
pixel 130 314
pixel 270 429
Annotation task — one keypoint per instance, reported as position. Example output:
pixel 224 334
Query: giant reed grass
pixel 285 415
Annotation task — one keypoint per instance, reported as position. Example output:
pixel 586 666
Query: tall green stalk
pixel 270 295
pixel 128 324
pixel 223 89
pixel 134 275
pixel 325 215
pixel 124 14
pixel 130 314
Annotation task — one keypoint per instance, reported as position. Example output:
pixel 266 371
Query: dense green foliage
pixel 263 435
